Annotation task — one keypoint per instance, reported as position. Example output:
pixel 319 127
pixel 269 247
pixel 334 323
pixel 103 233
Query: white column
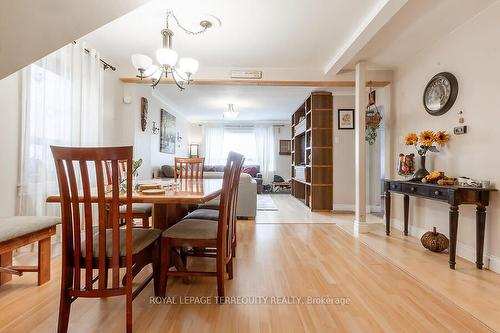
pixel 360 225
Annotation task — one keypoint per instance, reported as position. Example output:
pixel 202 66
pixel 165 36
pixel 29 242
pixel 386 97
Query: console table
pixel 454 196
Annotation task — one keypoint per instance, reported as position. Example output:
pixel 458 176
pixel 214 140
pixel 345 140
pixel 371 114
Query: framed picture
pixel 285 147
pixel 167 133
pixel 346 119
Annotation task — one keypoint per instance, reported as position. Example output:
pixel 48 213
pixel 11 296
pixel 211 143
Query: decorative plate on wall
pixel 440 93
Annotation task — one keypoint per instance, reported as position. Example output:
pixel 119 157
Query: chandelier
pixel 167 57
pixel 230 113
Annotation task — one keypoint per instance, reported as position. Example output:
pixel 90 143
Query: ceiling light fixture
pixel 230 113
pixel 167 57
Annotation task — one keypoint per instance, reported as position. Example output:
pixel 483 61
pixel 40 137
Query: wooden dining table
pixel 172 204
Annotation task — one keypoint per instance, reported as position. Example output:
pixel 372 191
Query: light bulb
pixel 141 62
pixel 189 65
pixel 166 56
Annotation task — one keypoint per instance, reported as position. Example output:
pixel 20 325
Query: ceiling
pixel 206 103
pixel 298 34
pixel 30 30
pixel 418 25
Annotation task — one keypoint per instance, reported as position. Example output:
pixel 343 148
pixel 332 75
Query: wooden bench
pixel 18 231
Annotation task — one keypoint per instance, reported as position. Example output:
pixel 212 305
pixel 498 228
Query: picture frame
pixel 285 147
pixel 167 132
pixel 346 119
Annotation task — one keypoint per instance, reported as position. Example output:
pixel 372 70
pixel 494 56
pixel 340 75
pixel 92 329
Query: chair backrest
pixel 189 168
pixel 77 170
pixel 228 200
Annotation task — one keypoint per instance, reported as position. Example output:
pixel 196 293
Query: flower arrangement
pixel 425 141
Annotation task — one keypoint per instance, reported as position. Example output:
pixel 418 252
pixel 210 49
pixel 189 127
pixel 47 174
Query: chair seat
pixel 17 226
pixel 204 214
pixel 209 206
pixel 192 229
pixel 141 238
pixel 138 208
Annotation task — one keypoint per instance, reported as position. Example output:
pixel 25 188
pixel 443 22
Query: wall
pixel 472 55
pixel 10 116
pixel 283 162
pixel 343 158
pixel 146 144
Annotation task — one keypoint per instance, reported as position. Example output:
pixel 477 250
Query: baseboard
pixel 464 251
pixel 350 208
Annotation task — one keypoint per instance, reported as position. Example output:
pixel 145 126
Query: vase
pixel 421 171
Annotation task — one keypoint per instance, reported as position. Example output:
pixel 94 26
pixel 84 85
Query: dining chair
pixel 210 238
pixel 88 245
pixel 141 211
pixel 212 212
pixel 189 168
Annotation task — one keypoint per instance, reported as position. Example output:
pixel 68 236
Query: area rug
pixel 265 202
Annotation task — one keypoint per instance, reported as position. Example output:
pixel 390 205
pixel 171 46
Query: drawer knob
pixel 413 189
pixel 437 193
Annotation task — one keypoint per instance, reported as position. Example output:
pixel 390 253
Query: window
pixel 241 141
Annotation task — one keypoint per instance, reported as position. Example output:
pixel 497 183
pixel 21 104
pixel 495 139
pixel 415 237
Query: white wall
pixel 10 116
pixel 146 144
pixel 343 158
pixel 472 53
pixel 283 162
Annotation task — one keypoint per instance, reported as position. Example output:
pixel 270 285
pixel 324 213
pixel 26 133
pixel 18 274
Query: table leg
pixel 5 261
pixel 166 215
pixel 480 228
pixel 406 200
pixel 453 234
pixel 387 213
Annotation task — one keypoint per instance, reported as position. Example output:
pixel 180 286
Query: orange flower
pixel 441 137
pixel 411 139
pixel 426 138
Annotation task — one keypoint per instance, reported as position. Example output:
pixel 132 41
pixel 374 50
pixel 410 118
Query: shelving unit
pixel 312 152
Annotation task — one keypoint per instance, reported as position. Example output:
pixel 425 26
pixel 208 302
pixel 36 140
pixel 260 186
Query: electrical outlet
pixel 460 130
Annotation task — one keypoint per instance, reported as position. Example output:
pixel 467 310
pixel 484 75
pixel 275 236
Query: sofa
pixel 247 190
pixel 253 170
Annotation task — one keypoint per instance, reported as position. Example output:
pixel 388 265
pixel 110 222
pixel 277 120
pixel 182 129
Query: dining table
pixel 172 199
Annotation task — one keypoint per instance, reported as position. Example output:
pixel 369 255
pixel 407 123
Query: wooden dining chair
pixel 210 238
pixel 87 244
pixel 189 168
pixel 141 211
pixel 212 212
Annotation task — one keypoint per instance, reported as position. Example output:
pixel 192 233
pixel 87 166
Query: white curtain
pixel 214 141
pixel 266 148
pixel 62 105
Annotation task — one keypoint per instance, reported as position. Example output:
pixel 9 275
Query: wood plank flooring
pixel 273 260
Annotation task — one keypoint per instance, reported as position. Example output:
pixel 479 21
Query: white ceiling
pixel 302 34
pixel 206 103
pixel 418 25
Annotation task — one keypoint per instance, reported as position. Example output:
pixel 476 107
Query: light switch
pixel 336 139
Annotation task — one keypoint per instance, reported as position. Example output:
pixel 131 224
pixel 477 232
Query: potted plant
pixel 423 143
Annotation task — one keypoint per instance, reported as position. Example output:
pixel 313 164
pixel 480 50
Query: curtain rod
pixel 105 64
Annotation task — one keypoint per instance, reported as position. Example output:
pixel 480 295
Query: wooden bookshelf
pixel 312 152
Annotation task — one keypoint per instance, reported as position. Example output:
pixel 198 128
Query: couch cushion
pixel 204 214
pixel 138 208
pixel 192 229
pixel 209 206
pixel 17 226
pixel 141 238
pixel 250 169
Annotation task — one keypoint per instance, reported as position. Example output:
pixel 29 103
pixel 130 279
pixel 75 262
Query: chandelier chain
pixel 189 32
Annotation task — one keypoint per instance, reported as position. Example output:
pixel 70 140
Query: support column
pixel 360 225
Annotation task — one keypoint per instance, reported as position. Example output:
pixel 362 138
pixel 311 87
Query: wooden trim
pixel 289 83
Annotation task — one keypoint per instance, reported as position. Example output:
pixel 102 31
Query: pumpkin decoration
pixel 434 241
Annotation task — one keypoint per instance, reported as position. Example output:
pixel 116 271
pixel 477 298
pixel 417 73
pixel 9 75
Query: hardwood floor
pixel 291 210
pixel 273 260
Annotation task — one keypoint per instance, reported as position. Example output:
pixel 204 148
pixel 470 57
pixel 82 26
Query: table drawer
pixel 415 189
pixel 439 193
pixel 394 186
